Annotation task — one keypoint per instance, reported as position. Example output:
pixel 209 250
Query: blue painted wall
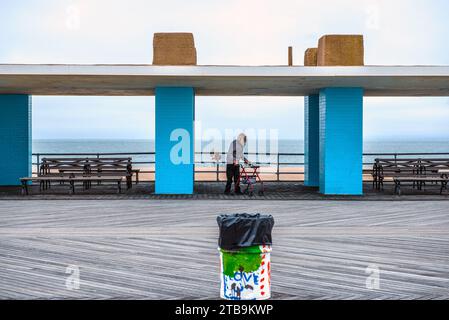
pixel 174 145
pixel 15 138
pixel 311 140
pixel 341 141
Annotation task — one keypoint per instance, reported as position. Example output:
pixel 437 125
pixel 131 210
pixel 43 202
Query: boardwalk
pixel 166 249
pixel 214 191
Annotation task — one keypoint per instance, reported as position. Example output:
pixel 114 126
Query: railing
pixel 219 166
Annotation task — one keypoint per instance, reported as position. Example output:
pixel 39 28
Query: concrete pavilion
pixel 334 91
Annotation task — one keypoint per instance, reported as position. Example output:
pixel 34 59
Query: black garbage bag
pixel 244 230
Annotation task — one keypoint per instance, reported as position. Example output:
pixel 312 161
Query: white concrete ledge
pixel 141 80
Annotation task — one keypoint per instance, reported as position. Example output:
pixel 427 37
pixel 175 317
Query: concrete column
pixel 175 113
pixel 15 138
pixel 311 140
pixel 341 141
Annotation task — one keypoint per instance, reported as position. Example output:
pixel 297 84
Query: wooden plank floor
pixel 214 191
pixel 166 249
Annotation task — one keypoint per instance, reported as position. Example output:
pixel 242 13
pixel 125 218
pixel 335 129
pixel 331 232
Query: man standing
pixel 235 154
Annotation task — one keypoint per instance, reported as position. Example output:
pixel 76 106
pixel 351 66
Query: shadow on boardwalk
pixel 164 249
pixel 214 190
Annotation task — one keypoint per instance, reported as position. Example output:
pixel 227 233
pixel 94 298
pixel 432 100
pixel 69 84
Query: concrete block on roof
pixel 310 57
pixel 340 50
pixel 174 49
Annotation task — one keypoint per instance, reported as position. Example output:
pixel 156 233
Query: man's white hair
pixel 242 138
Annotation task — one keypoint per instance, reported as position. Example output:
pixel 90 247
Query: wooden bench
pixel 419 181
pixel 384 169
pixel 434 167
pixel 71 180
pixel 91 166
pixel 105 172
pixel 388 169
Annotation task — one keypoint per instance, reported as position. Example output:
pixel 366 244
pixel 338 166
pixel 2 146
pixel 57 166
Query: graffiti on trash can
pixel 241 282
pixel 246 274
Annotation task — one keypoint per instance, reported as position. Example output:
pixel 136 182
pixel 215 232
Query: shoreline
pixel 267 173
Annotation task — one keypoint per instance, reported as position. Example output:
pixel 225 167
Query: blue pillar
pixel 15 138
pixel 311 140
pixel 174 147
pixel 341 141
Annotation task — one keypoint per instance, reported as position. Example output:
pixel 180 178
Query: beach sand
pixel 267 173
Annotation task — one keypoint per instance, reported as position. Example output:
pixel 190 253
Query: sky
pixel 244 32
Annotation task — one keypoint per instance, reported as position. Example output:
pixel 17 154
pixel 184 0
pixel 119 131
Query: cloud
pixel 414 118
pixel 247 32
pixel 227 32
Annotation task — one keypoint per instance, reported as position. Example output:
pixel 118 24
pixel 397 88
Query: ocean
pixel 284 146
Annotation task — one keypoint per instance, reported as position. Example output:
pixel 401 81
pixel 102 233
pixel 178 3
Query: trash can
pixel 245 246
